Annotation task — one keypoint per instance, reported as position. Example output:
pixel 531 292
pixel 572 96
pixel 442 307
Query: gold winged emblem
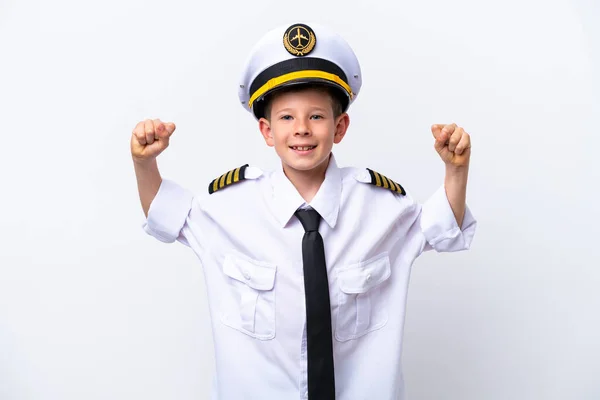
pixel 299 40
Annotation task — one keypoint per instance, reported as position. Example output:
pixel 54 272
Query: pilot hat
pixel 299 54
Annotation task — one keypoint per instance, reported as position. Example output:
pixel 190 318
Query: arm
pixel 148 182
pixel 445 220
pixel 453 145
pixel 166 205
pixel 148 140
pixel 455 183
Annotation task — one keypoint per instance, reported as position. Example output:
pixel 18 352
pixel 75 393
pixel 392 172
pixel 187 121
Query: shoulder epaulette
pixel 383 181
pixel 228 178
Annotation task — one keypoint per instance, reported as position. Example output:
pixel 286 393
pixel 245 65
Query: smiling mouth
pixel 302 148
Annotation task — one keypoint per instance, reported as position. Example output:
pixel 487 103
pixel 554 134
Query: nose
pixel 302 128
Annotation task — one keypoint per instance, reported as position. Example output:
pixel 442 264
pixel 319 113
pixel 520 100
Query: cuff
pixel 168 212
pixel 440 227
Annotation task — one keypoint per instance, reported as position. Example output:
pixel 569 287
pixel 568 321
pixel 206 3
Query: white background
pixel 93 308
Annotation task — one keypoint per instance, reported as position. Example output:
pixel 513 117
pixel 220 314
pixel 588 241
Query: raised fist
pixel 150 138
pixel 453 144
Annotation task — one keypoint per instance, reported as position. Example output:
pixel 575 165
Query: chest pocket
pixel 362 306
pixel 248 304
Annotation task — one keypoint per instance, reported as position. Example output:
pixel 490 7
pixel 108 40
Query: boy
pixel 307 267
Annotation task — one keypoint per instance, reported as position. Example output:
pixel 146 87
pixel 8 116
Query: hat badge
pixel 299 40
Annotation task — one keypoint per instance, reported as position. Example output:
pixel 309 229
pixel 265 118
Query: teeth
pixel 305 148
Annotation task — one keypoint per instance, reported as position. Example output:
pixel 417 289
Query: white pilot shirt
pixel 250 246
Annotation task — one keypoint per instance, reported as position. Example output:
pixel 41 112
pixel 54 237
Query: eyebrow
pixel 312 108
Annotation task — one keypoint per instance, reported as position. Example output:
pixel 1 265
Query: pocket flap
pixel 258 275
pixel 361 277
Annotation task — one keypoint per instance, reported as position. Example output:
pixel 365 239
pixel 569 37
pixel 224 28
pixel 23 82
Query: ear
pixel 341 126
pixel 265 129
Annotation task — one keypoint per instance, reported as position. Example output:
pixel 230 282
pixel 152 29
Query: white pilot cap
pixel 297 54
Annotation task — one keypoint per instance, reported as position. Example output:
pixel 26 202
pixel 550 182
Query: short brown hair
pixel 334 95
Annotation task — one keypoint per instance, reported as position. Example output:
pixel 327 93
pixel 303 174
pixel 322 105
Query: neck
pixel 307 183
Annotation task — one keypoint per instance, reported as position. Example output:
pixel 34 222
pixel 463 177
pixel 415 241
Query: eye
pixel 316 116
pixel 286 117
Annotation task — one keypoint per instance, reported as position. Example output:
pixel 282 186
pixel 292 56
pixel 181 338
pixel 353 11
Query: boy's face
pixel 303 128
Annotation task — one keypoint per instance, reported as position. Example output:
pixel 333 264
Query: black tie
pixel 321 384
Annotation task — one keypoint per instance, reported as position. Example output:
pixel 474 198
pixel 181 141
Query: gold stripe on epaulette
pixel 377 178
pixel 385 182
pixel 393 185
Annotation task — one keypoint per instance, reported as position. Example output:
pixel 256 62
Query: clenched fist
pixel 150 138
pixel 452 143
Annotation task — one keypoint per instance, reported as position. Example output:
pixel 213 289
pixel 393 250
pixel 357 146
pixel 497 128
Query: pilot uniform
pixel 245 235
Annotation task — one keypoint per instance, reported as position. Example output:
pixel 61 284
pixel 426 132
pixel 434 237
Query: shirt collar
pixel 326 202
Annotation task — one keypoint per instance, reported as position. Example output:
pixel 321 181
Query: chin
pixel 305 165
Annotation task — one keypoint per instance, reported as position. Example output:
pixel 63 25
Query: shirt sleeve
pixel 168 212
pixel 440 228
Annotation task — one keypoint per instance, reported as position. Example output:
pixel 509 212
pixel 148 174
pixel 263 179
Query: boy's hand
pixel 149 139
pixel 453 144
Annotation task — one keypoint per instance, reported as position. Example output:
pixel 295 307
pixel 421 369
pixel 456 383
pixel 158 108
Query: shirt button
pixel 246 275
pixel 369 278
